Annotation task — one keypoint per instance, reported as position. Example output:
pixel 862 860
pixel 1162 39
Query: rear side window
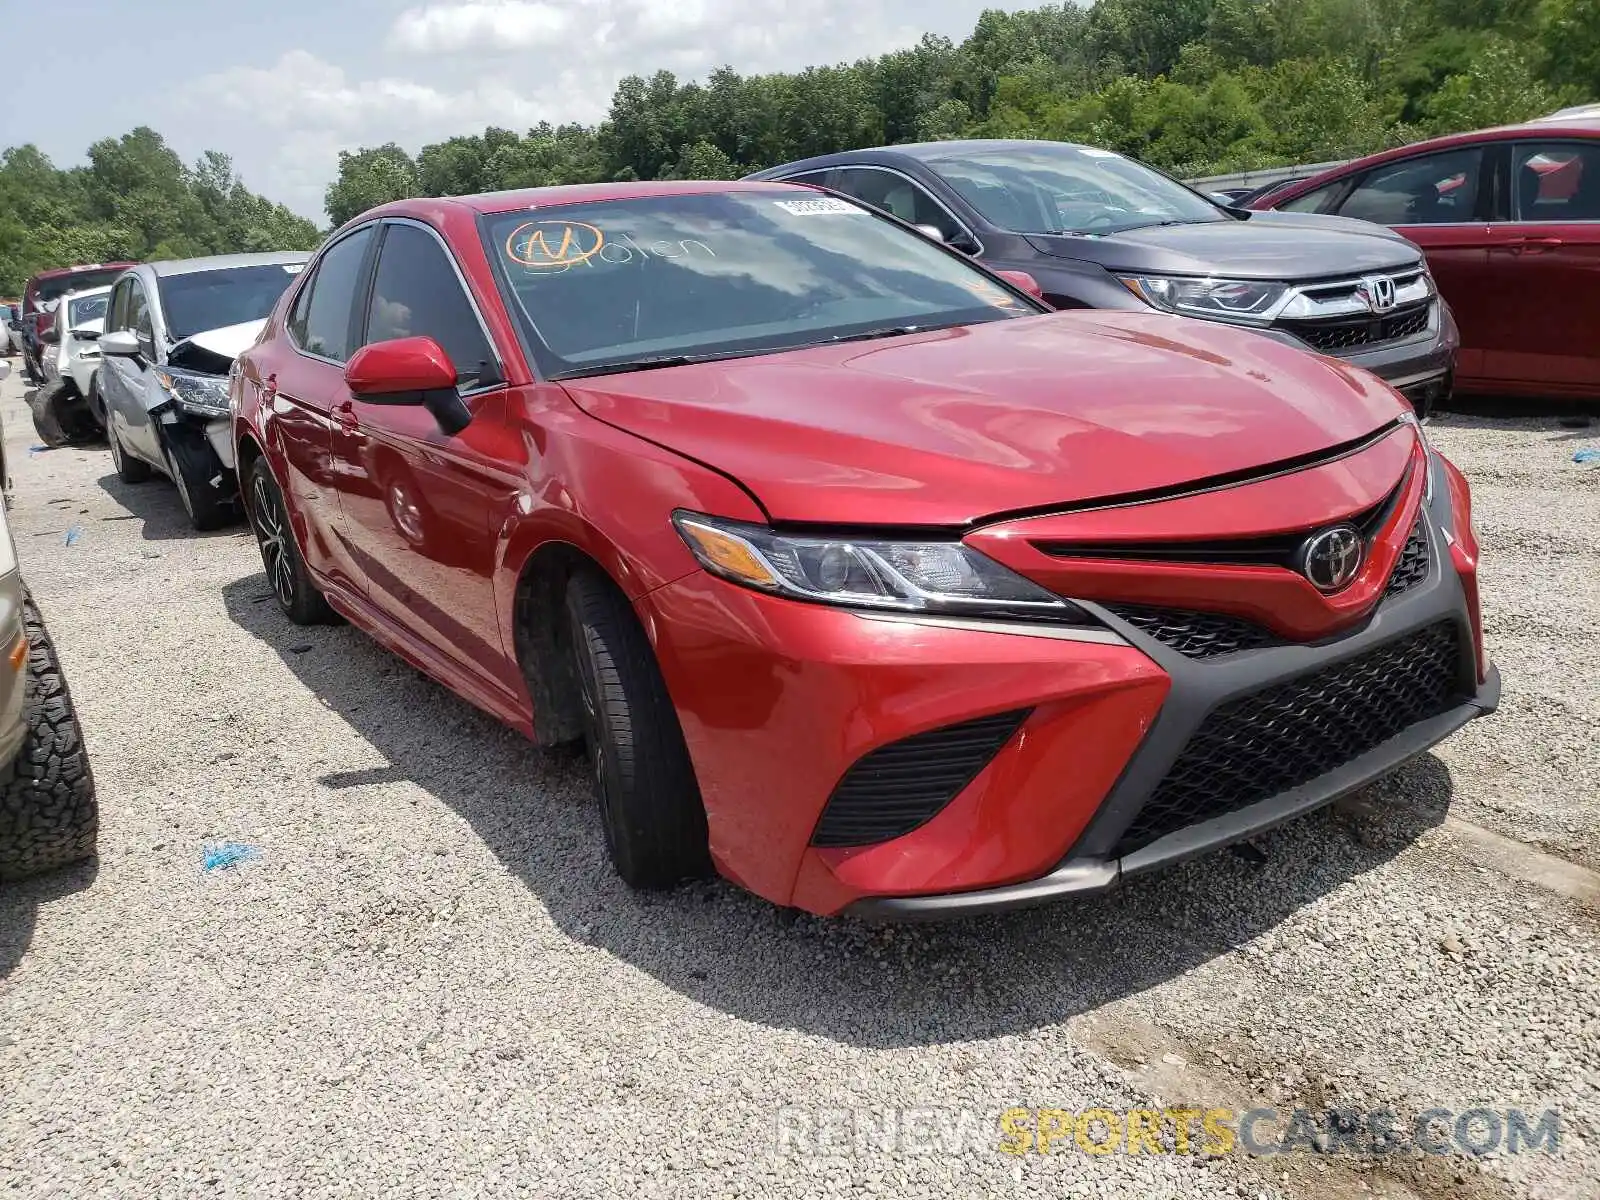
pixel 320 321
pixel 1434 189
pixel 416 293
pixel 1556 181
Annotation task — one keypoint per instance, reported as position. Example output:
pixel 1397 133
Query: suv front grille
pixel 1412 568
pixel 1261 745
pixel 892 790
pixel 1196 634
pixel 1331 334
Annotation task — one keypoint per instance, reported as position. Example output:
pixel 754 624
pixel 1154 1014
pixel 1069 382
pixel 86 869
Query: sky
pixel 283 85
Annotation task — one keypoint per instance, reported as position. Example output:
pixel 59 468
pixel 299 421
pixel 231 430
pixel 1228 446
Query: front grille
pixel 1329 334
pixel 1412 568
pixel 1261 745
pixel 892 790
pixel 1196 634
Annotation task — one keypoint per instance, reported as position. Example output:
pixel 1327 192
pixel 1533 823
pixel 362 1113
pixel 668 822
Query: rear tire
pixel 45 403
pixel 48 813
pixel 129 468
pixel 650 806
pixel 286 571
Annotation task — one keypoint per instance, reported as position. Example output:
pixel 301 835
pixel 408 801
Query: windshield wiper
pixel 883 331
pixel 656 361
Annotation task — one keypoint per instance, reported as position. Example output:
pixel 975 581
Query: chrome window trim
pixel 916 183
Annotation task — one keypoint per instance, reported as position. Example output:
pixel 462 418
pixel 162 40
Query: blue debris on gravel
pixel 74 534
pixel 223 856
pixel 1587 455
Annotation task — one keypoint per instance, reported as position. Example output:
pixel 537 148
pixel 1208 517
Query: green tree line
pixel 1193 86
pixel 134 200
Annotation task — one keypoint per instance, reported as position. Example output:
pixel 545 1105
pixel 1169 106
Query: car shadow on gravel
pixel 873 986
pixel 20 904
pixel 155 503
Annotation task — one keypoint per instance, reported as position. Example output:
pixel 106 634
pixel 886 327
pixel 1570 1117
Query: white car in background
pixel 67 406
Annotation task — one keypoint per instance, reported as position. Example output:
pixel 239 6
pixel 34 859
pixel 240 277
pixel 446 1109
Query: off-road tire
pixel 288 578
pixel 48 814
pixel 650 806
pixel 129 468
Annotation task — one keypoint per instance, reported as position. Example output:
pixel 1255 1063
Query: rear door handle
pixel 1533 245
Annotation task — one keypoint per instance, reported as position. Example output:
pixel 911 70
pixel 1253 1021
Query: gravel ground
pixel 430 984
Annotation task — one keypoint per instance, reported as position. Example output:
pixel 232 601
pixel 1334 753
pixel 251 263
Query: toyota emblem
pixel 1378 291
pixel 1331 558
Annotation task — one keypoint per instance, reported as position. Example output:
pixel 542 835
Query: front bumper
pixel 1420 367
pixel 781 703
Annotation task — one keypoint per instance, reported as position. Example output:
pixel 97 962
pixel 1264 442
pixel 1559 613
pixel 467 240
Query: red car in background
pixel 1509 219
pixel 865 578
pixel 38 322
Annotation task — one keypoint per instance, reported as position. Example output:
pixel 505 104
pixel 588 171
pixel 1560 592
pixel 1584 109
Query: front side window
pixel 416 292
pixel 897 196
pixel 1313 201
pixel 1050 187
pixel 1556 181
pixel 139 312
pixel 321 321
pixel 200 300
pixel 1435 189
pixel 616 283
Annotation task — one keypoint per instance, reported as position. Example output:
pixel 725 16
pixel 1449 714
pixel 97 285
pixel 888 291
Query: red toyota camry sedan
pixel 867 581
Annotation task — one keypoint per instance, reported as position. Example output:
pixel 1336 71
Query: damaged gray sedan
pixel 172 331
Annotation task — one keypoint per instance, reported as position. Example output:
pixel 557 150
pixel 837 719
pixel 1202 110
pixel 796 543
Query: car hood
pixel 949 427
pixel 1287 246
pixel 213 350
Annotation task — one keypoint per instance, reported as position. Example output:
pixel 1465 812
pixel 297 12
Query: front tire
pixel 48 813
pixel 650 806
pixel 192 466
pixel 286 571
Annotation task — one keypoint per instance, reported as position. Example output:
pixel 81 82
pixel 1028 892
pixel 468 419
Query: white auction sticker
pixel 818 207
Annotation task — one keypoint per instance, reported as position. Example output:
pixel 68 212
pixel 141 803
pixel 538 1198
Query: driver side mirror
pixel 409 371
pixel 121 342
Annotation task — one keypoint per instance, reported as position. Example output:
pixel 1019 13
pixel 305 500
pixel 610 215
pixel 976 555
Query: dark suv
pixel 1098 230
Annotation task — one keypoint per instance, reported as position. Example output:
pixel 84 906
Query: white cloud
pixel 448 68
pixel 501 25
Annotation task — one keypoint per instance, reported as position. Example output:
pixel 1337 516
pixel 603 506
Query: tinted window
pixel 815 178
pixel 321 322
pixel 201 300
pixel 1556 181
pixel 724 273
pixel 416 293
pixel 54 289
pixel 139 311
pixel 1056 188
pixel 1313 201
pixel 897 196
pixel 1436 189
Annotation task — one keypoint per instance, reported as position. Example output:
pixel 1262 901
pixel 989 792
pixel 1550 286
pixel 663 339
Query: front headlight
pixel 903 576
pixel 203 395
pixel 1218 299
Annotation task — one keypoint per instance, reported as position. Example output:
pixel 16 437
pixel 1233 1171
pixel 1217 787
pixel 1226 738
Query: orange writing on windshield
pixel 553 245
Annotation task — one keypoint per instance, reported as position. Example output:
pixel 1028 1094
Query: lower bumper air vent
pixel 892 790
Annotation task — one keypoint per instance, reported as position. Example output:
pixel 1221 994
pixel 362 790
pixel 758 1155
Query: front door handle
pixel 1533 245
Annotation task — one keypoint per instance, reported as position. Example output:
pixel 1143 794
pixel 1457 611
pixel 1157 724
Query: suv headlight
pixel 899 575
pixel 1219 299
pixel 202 395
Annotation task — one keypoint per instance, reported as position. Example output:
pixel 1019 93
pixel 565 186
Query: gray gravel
pixel 430 984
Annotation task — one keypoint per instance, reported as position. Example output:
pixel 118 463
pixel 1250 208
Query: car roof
pixel 221 262
pixel 58 272
pixel 80 293
pixel 574 193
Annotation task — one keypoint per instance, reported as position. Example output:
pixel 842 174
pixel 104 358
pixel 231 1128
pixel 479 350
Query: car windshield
pixel 1051 187
pixel 634 282
pixel 53 289
pixel 200 300
pixel 89 309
